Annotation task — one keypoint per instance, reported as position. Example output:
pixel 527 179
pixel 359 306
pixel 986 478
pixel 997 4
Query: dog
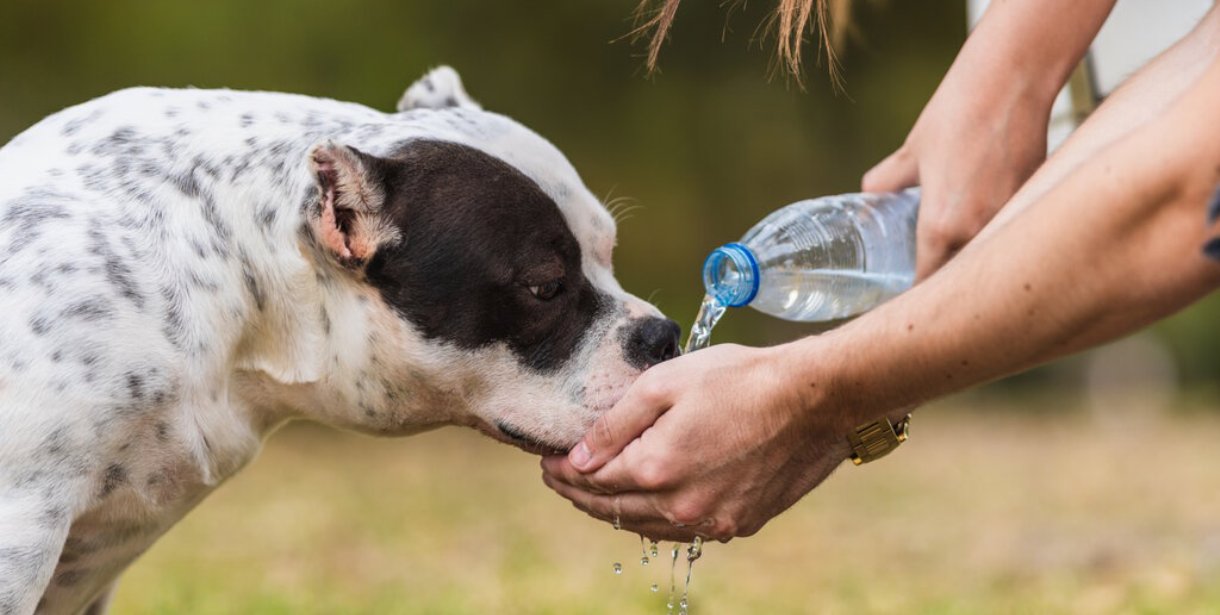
pixel 184 271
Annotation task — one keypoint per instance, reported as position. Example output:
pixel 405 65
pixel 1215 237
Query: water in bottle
pixel 821 259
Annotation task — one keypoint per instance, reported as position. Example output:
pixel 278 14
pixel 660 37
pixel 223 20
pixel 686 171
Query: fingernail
pixel 581 455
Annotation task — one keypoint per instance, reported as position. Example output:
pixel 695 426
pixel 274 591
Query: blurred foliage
pixel 706 147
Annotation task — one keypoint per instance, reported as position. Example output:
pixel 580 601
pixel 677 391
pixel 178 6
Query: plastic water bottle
pixel 820 259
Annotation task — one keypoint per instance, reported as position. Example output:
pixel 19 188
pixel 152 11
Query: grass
pixel 982 512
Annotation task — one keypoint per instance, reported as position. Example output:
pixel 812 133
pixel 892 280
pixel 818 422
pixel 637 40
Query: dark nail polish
pixel 1211 249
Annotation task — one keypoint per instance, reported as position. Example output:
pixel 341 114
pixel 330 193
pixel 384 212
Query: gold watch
pixel 874 440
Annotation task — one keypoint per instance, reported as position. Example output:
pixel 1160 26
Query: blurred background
pixel 1087 486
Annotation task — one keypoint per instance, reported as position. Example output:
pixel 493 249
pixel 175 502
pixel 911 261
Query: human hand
pixel 712 444
pixel 975 143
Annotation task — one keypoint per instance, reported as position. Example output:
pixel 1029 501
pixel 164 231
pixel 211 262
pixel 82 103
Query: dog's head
pixel 491 264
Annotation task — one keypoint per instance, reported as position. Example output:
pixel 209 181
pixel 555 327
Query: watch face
pixel 874 440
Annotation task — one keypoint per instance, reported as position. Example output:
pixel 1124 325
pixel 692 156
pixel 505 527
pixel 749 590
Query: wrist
pixel 998 82
pixel 860 431
pixel 817 375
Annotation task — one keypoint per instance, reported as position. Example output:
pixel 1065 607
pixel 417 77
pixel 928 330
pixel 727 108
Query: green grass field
pixel 983 511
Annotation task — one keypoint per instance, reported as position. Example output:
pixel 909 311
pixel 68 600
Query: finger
pixel 558 468
pixel 634 469
pixel 636 513
pixel 929 257
pixel 936 258
pixel 623 507
pixel 661 531
pixel 937 237
pixel 899 170
pixel 615 429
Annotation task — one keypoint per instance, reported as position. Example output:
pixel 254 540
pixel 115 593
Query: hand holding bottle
pixel 969 156
pixel 983 133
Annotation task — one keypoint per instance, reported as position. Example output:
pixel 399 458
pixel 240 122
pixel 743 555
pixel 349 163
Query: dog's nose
pixel 651 341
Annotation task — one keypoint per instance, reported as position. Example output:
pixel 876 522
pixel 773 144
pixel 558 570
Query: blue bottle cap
pixel 730 275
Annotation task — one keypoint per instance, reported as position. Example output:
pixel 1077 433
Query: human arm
pixel 730 436
pixel 984 130
pixel 1141 98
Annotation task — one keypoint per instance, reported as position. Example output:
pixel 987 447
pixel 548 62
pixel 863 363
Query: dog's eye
pixel 547 291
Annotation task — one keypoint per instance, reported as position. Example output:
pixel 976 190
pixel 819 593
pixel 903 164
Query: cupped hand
pixel 712 444
pixel 970 150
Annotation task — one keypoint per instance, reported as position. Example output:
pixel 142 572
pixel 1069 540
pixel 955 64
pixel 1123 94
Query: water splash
pixel 694 551
pixel 709 314
pixel 673 566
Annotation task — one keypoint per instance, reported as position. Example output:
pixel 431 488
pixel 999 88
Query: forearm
pixel 1028 48
pixel 1143 97
pixel 1113 247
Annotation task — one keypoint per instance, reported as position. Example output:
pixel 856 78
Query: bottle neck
pixel 731 275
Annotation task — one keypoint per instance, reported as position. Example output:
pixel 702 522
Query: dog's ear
pixel 439 89
pixel 348 220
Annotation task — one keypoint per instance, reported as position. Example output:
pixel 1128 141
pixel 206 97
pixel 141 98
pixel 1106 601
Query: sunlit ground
pixel 984 511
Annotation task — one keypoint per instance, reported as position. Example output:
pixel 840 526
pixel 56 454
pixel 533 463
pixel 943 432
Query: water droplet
pixel 644 561
pixel 694 550
pixel 652 549
pixel 654 588
pixel 673 564
pixel 618 568
pixel 618 525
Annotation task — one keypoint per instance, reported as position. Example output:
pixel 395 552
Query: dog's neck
pixel 304 348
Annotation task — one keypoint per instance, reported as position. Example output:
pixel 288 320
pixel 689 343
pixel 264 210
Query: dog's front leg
pixel 33 528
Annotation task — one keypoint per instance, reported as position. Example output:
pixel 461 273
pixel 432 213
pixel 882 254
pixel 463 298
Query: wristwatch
pixel 874 440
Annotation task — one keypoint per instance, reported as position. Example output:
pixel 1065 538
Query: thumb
pixel 613 431
pixel 899 170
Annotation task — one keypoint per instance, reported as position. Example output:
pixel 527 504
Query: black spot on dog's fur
pixel 53 516
pixel 120 276
pixel 445 198
pixel 135 386
pixel 89 310
pixel 252 285
pixel 115 476
pixel 186 183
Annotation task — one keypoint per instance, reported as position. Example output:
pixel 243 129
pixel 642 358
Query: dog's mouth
pixel 527 442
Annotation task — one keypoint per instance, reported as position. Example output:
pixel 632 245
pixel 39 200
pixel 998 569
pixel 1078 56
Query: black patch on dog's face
pixel 476 236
